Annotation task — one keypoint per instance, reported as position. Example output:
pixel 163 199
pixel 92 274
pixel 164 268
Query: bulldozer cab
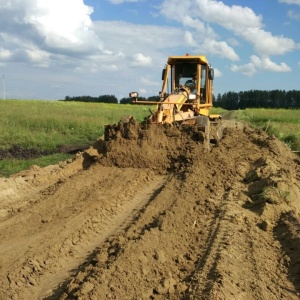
pixel 192 72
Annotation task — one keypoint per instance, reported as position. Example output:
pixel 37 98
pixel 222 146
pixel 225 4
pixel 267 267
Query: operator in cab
pixel 192 83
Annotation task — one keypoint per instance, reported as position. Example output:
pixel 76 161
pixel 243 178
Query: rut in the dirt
pixel 148 213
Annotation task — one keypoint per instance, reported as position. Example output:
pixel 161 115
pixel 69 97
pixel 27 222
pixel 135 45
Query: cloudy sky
pixel 52 49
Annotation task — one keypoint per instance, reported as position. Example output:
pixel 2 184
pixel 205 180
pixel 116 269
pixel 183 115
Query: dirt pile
pixel 160 147
pixel 148 213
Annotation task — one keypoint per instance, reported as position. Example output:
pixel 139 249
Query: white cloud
pixel 38 57
pixel 248 69
pixel 63 24
pixel 203 39
pixel 221 49
pixel 199 26
pixel 56 26
pixel 132 36
pixel 267 44
pixel 264 63
pixel 241 21
pixel 297 2
pixel 53 33
pixel 200 36
pixel 189 39
pixel 140 59
pixel 231 17
pixel 4 54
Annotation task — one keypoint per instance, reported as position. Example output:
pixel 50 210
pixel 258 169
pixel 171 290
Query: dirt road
pixel 148 213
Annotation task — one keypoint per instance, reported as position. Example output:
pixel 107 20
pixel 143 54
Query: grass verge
pixel 282 123
pixel 13 166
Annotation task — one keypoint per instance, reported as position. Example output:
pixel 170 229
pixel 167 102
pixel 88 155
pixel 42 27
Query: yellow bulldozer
pixel 186 96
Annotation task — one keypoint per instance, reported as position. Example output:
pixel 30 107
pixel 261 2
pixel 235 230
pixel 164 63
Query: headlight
pixel 192 96
pixel 134 95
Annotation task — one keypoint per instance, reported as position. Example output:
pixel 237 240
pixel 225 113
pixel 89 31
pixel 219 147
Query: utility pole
pixel 3 82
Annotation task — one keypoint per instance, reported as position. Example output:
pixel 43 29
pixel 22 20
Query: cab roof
pixel 200 59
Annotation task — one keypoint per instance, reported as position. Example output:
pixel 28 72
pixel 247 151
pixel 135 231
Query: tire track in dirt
pixel 68 231
pixel 230 254
pixel 113 225
pixel 204 276
pixel 162 218
pixel 238 233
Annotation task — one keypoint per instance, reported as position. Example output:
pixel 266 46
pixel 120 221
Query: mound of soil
pixel 148 213
pixel 160 147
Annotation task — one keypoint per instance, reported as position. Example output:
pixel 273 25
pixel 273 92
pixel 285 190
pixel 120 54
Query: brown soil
pixel 18 152
pixel 148 213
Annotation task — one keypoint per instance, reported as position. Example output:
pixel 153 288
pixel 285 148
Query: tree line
pixel 258 99
pixel 108 99
pixel 229 100
pixel 100 99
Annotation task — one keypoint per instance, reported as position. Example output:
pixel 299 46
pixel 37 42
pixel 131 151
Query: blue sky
pixel 52 49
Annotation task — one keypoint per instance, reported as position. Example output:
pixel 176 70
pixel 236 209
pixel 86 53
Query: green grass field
pixel 45 125
pixel 283 123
